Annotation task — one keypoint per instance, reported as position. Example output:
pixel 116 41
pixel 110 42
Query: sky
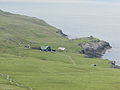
pixel 58 1
pixel 42 0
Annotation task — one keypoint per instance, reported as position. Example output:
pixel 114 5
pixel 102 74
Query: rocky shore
pixel 95 49
pixel 60 32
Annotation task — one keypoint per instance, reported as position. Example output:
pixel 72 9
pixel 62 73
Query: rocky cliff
pixel 60 32
pixel 95 49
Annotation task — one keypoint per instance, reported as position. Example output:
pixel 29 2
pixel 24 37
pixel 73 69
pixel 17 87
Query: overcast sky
pixel 42 0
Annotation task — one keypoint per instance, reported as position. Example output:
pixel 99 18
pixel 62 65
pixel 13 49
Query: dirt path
pixel 70 58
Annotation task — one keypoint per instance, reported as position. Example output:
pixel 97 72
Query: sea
pixel 99 18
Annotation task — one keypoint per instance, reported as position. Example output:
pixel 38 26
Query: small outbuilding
pixel 61 49
pixel 45 48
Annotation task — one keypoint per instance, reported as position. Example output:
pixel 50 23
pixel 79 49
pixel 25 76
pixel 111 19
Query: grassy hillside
pixel 30 69
pixel 17 28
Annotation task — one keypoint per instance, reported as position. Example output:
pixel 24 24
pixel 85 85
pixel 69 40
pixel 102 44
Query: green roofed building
pixel 45 48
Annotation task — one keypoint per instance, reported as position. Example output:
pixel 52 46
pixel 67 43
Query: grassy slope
pixel 45 70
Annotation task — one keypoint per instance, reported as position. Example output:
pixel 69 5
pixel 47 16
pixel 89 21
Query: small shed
pixel 61 49
pixel 45 48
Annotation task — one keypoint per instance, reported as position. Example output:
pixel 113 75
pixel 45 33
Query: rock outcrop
pixel 60 32
pixel 95 49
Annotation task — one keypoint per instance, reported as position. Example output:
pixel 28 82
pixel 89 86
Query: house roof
pixel 44 47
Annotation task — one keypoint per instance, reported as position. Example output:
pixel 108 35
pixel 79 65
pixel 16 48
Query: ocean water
pixel 98 18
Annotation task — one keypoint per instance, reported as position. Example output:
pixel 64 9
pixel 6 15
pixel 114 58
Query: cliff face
pixel 95 49
pixel 60 32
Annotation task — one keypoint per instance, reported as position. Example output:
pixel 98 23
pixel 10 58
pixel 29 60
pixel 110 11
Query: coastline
pixel 105 51
pixel 94 48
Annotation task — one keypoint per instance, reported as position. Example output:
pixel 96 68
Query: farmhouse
pixel 45 48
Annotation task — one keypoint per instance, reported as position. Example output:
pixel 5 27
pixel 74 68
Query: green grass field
pixel 48 70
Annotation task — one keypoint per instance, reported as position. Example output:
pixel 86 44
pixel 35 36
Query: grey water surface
pixel 98 18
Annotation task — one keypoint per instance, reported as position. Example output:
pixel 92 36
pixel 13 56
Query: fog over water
pixel 98 18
